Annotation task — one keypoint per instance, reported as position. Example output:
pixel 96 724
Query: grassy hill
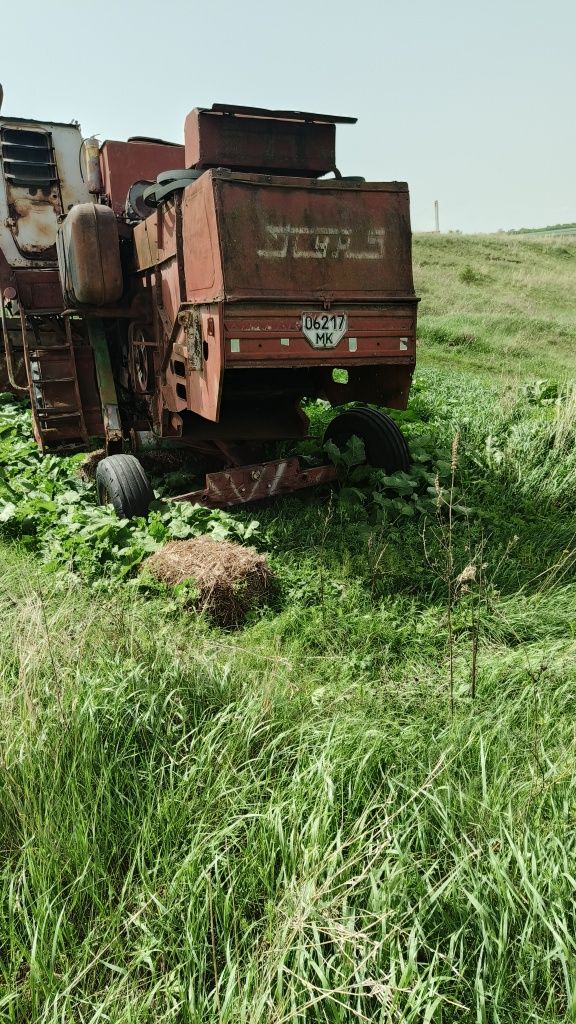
pixel 497 304
pixel 550 229
pixel 359 806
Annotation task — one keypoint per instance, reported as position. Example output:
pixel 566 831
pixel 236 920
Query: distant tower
pixel 436 217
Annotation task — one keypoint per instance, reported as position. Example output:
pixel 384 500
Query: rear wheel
pixel 122 483
pixel 384 442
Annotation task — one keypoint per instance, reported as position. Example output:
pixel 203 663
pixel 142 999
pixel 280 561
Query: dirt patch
pixel 230 579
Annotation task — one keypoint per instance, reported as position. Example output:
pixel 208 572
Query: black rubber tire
pixel 121 482
pixel 384 442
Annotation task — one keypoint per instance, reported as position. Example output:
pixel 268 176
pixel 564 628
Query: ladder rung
pixel 33 352
pixel 79 446
pixel 55 380
pixel 53 414
pixel 69 438
pixel 65 434
pixel 61 426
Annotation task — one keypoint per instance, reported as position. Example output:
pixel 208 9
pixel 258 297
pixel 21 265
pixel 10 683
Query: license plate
pixel 324 330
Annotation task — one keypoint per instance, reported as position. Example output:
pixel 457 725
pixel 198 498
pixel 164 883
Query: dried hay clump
pixel 87 468
pixel 230 579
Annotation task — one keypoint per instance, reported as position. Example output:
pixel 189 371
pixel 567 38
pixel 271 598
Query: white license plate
pixel 324 330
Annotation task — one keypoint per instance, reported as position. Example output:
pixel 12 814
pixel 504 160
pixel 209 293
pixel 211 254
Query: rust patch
pixel 243 484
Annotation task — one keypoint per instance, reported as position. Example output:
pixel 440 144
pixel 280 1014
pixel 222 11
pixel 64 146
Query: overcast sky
pixel 472 104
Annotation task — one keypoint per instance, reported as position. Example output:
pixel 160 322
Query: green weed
pixel 45 504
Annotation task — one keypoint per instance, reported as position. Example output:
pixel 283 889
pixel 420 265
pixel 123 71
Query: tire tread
pixel 126 483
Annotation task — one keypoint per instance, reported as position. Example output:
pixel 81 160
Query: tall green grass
pixel 360 806
pixel 300 821
pixel 202 829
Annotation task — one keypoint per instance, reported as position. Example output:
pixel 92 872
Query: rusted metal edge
pixel 105 312
pixel 43 124
pixel 248 363
pixel 281 115
pixel 243 484
pixel 180 246
pixel 8 351
pixel 261 179
pixel 353 298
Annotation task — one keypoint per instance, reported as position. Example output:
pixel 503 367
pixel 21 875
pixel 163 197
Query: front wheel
pixel 384 443
pixel 122 483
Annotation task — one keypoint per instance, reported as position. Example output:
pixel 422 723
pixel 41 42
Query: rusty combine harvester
pixel 199 306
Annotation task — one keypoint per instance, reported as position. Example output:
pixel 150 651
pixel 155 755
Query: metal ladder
pixel 59 423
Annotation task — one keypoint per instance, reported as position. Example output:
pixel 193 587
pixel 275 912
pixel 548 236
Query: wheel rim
pixel 141 362
pixel 141 368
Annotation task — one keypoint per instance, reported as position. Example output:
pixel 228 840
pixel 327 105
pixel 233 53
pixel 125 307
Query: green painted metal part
pixel 106 386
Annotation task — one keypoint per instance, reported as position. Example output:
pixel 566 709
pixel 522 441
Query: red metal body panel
pixel 203 259
pixel 377 335
pixel 259 143
pixel 155 248
pixel 123 163
pixel 305 240
pixel 145 239
pixel 194 375
pixel 253 236
pixel 248 254
pixel 245 237
pixel 39 290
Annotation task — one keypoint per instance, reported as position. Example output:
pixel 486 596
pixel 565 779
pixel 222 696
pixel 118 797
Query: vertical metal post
pixel 8 349
pixel 436 217
pixel 106 386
